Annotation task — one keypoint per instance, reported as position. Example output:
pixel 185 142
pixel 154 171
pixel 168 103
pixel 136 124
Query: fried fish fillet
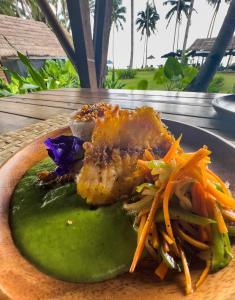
pixel 118 141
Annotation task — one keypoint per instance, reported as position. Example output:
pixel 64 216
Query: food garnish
pixel 183 211
pixel 65 151
pixel 90 112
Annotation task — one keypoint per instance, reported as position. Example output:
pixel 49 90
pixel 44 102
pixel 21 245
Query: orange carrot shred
pixel 141 226
pixel 173 150
pixel 190 240
pixel 219 180
pixel 155 237
pixel 161 270
pixel 218 216
pixel 145 232
pixel 204 274
pixel 224 199
pixel 148 155
pixel 188 281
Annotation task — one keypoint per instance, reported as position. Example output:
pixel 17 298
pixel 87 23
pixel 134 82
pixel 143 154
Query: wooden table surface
pixel 190 108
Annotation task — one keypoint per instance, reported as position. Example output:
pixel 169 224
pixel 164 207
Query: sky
pixel 162 41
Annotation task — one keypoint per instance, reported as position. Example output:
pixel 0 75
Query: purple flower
pixel 64 151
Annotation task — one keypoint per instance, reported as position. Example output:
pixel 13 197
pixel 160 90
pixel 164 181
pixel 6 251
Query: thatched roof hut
pixel 206 45
pixel 30 37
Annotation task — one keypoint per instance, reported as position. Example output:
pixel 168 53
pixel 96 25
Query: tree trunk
pixel 132 34
pixel 187 29
pixel 178 36
pixel 176 24
pixel 146 53
pixel 113 73
pixel 212 24
pixel 208 70
pixel 144 49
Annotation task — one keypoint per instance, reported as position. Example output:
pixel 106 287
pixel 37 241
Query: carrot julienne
pixel 190 240
pixel 161 270
pixel 188 209
pixel 204 274
pixel 219 217
pixel 148 155
pixel 142 222
pixel 188 281
pixel 145 232
pixel 155 237
pixel 172 151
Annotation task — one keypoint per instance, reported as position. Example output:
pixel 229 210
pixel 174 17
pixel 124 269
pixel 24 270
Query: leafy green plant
pixel 54 75
pixel 216 84
pixel 174 75
pixel 112 83
pixel 126 73
pixel 142 84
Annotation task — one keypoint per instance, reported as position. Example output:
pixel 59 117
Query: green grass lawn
pixel 229 81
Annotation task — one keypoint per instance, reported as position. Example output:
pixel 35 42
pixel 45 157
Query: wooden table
pixel 190 108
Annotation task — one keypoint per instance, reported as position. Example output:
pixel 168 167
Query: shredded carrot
pixel 204 235
pixel 142 164
pixel 191 240
pixel 165 246
pixel 212 175
pixel 188 281
pixel 194 160
pixel 161 270
pixel 166 237
pixel 230 215
pixel 142 222
pixel 166 198
pixel 224 199
pixel 148 155
pixel 141 213
pixel 172 151
pixel 218 216
pixel 195 202
pixel 202 200
pixel 204 274
pixel 145 232
pixel 155 237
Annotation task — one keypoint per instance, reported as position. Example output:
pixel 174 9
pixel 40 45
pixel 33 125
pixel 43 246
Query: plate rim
pixel 216 104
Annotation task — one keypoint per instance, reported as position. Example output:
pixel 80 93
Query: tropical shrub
pixel 142 84
pixel 126 73
pixel 54 75
pixel 175 76
pixel 216 84
pixel 112 83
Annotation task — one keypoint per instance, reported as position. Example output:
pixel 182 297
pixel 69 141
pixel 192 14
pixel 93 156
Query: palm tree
pixel 132 34
pixel 216 4
pixel 118 18
pixel 146 23
pixel 191 9
pixel 201 82
pixel 118 14
pixel 179 7
pixel 92 7
pixel 9 7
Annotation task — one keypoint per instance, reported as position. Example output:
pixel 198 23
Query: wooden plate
pixel 21 280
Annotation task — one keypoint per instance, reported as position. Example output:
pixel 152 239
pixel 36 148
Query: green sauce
pixel 66 238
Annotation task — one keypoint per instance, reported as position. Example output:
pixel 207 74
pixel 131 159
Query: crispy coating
pixel 118 141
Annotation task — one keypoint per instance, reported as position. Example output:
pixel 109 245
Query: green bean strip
pixel 183 215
